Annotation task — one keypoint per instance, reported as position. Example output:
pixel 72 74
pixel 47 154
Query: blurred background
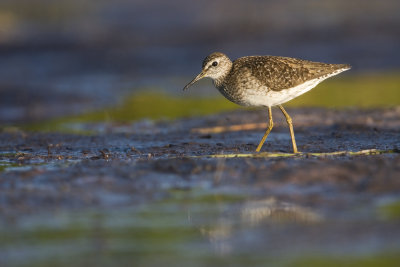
pixel 65 58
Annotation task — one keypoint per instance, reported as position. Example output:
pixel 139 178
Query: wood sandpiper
pixel 265 81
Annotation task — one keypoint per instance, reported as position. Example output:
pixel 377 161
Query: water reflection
pixel 254 213
pixel 274 211
pixel 198 227
pixel 190 228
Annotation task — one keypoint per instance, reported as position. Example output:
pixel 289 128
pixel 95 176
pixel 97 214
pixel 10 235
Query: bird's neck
pixel 220 80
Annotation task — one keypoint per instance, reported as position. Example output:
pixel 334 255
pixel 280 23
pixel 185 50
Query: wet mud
pixel 139 188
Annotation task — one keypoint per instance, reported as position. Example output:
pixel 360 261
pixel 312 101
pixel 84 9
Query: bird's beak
pixel 198 77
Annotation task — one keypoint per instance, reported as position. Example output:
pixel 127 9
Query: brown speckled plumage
pixel 265 80
pixel 279 73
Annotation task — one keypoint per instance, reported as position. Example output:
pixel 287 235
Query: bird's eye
pixel 215 63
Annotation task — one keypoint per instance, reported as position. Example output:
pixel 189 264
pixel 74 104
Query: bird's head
pixel 216 66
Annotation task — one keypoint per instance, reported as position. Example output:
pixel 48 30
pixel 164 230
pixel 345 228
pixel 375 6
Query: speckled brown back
pixel 279 73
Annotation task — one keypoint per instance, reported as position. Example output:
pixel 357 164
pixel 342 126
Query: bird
pixel 265 81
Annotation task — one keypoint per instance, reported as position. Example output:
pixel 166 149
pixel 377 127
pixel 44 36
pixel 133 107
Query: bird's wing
pixel 279 73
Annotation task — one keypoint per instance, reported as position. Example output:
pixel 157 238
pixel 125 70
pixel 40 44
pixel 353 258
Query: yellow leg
pixel 289 121
pixel 270 125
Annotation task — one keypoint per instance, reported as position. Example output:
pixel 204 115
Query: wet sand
pixel 159 177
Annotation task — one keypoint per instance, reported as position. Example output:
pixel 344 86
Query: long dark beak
pixel 198 77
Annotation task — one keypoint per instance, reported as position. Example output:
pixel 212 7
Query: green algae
pixel 391 211
pixel 369 90
pixel 142 105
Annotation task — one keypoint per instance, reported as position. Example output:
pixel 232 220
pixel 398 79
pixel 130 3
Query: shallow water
pixel 138 197
pixel 200 228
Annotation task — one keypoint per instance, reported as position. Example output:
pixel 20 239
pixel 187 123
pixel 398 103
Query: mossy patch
pixel 368 90
pixel 391 210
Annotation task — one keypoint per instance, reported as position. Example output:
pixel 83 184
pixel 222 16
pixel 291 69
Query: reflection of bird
pixel 265 81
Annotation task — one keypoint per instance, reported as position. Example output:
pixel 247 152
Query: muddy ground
pixel 148 192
